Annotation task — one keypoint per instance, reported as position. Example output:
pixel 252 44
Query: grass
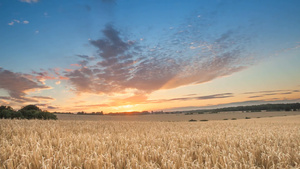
pixel 258 143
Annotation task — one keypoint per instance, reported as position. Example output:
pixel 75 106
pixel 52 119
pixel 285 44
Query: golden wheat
pixel 254 143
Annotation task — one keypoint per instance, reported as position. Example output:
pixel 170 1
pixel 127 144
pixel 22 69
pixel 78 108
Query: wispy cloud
pixel 86 57
pixel 214 96
pixel 141 98
pixel 270 93
pixel 17 22
pixel 30 1
pixel 46 106
pixel 43 75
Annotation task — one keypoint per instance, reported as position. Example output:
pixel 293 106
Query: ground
pixel 87 141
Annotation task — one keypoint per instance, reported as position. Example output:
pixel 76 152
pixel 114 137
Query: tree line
pixel 27 112
pixel 258 108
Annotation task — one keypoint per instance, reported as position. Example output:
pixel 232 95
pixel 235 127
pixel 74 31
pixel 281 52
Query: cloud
pixel 142 98
pixel 214 96
pixel 43 75
pixel 266 91
pixel 30 1
pixel 133 64
pixel 75 64
pixel 68 70
pixel 109 1
pixel 46 106
pixel 86 57
pixel 5 97
pixel 270 93
pixel 52 107
pixel 42 97
pixel 18 22
pixel 18 85
pixel 107 75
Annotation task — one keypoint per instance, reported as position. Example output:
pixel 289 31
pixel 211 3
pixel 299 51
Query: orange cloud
pixel 77 65
pixel 68 70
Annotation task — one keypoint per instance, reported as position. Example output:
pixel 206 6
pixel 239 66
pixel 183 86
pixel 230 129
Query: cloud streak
pixel 30 1
pixel 270 93
pixel 207 97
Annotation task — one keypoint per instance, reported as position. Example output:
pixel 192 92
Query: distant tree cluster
pixel 27 112
pixel 258 108
pixel 93 113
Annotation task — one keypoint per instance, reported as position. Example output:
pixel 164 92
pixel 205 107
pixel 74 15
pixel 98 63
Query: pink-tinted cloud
pixel 17 85
pixel 75 64
pixel 68 70
pixel 43 75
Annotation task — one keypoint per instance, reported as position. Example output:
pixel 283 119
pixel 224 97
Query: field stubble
pixel 255 143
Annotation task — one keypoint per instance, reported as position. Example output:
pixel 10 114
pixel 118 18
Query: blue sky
pixel 117 55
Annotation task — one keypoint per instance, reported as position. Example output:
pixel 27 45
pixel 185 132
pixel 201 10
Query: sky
pixel 150 55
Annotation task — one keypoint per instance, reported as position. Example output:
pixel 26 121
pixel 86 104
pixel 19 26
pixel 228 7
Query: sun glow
pixel 126 108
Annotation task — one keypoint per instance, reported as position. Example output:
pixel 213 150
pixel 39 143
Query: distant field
pixel 254 143
pixel 176 117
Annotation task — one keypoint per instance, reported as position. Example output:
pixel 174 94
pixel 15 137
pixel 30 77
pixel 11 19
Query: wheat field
pixel 254 143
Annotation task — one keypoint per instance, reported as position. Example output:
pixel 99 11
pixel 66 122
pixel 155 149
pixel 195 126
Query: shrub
pixel 225 119
pixel 247 117
pixel 203 120
pixel 192 120
pixel 233 119
pixel 188 114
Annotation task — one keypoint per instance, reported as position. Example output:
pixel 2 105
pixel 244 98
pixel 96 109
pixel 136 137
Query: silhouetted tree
pixel 27 112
